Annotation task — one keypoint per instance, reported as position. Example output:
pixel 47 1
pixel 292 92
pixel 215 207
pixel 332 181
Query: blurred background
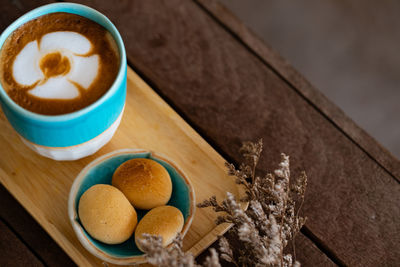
pixel 349 50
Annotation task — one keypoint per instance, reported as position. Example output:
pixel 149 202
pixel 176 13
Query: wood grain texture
pixel 283 68
pixel 30 232
pixel 230 95
pixel 305 250
pixel 11 10
pixel 13 251
pixel 148 123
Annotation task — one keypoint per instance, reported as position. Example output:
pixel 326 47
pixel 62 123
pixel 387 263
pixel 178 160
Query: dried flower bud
pixel 263 230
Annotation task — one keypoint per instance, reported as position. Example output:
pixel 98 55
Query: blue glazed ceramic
pixel 78 127
pixel 100 171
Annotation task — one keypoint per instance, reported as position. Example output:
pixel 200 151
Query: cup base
pixel 78 151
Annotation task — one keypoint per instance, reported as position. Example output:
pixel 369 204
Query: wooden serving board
pixel 42 185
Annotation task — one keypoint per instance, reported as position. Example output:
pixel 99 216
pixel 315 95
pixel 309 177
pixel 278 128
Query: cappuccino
pixel 58 63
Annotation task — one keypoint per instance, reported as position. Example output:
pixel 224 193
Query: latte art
pixel 61 63
pixel 55 65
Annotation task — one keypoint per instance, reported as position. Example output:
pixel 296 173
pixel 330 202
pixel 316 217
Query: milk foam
pixel 83 70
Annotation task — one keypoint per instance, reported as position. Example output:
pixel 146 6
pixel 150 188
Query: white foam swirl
pixel 26 69
pixel 83 70
pixel 70 41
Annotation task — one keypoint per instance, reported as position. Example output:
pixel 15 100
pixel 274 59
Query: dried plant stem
pixel 294 247
pixel 264 229
pixel 271 220
pixel 280 233
pixel 295 234
pixel 301 205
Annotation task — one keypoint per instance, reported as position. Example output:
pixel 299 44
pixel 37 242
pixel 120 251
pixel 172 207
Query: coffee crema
pixel 58 63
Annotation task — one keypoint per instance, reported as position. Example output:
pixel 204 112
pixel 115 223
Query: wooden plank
pixel 11 10
pixel 284 69
pixel 230 95
pixel 13 251
pixel 31 232
pixel 305 250
pixel 148 123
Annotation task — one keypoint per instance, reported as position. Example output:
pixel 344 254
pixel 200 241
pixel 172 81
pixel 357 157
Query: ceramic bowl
pixel 100 171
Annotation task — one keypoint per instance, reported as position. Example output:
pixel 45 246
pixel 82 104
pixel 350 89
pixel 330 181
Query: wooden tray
pixel 42 185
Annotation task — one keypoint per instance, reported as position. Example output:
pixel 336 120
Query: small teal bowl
pixel 100 171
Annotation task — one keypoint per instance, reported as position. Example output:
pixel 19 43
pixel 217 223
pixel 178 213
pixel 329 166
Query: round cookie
pixel 164 221
pixel 145 183
pixel 106 214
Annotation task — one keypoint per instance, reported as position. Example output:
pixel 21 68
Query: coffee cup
pixel 80 133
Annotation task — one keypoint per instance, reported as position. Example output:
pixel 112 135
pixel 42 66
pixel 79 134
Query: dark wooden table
pixel 231 87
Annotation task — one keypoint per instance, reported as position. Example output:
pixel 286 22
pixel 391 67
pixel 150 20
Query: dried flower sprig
pixel 271 219
pixel 264 229
pixel 172 256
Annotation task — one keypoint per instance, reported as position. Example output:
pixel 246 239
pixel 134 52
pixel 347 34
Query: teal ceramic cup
pixel 81 133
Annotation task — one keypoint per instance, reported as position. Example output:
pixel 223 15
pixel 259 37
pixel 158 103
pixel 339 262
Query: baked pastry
pixel 106 214
pixel 164 221
pixel 145 183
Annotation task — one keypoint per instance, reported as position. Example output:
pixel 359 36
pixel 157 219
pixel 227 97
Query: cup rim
pixel 40 11
pixel 73 214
